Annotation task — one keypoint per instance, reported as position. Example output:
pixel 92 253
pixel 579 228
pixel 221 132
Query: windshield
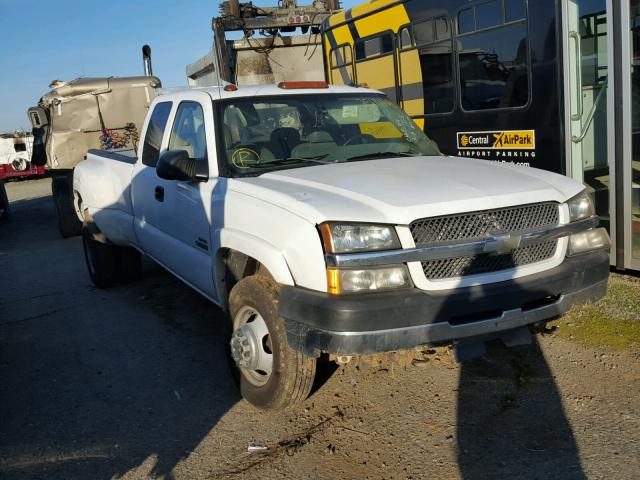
pixel 264 134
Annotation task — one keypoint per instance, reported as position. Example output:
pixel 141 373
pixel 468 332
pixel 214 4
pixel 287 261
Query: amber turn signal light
pixel 333 281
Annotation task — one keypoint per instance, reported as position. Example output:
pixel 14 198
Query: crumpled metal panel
pixel 80 109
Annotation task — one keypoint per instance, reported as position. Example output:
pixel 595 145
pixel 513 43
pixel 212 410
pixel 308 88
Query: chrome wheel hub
pixel 251 346
pixel 244 348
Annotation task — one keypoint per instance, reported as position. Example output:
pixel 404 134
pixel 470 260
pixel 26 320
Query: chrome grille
pixel 479 225
pixel 474 265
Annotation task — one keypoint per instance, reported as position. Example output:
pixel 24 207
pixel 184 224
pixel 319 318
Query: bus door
pixel 587 113
pixel 426 68
pixel 410 76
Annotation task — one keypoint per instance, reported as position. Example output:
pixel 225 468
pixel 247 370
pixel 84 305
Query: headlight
pixel 594 239
pixel 580 207
pixel 367 280
pixel 350 238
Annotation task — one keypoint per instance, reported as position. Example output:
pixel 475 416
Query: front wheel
pixel 272 376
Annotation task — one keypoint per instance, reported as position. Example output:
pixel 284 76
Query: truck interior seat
pixel 320 136
pixel 283 140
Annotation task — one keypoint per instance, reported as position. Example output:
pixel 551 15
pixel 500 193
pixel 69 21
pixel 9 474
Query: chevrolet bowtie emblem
pixel 503 244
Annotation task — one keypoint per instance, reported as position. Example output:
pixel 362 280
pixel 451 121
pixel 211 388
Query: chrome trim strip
pixel 496 244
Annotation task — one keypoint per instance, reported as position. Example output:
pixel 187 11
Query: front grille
pixel 479 225
pixel 477 264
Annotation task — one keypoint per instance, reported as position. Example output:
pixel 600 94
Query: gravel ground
pixel 130 383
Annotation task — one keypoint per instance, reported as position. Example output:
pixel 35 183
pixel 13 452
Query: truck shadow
pixel 100 383
pixel 511 421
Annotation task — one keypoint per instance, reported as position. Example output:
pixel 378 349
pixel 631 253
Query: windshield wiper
pixel 283 161
pixel 383 155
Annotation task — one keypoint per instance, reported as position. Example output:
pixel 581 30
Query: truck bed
pixel 110 204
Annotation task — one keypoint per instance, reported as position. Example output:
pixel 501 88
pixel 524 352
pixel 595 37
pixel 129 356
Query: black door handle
pixel 160 194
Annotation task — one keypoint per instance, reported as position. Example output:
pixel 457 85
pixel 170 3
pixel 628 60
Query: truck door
pixel 173 217
pixel 146 209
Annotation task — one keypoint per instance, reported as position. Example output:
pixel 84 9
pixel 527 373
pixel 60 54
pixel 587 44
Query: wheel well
pixel 77 204
pixel 237 266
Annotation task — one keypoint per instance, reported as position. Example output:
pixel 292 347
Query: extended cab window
pixel 188 132
pixel 264 134
pixel 155 132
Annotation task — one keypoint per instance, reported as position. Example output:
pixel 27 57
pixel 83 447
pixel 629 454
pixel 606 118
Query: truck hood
pixel 400 190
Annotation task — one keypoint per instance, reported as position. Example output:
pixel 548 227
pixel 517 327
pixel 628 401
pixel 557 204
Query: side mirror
pixel 38 117
pixel 176 165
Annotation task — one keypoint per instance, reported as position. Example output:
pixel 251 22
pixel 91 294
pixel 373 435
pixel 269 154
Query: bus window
pixel 374 47
pixel 434 41
pixel 494 61
pixel 442 29
pixel 513 10
pixel 488 15
pixel 405 39
pixel 466 21
pixel 424 32
pixel 341 63
pixel 376 63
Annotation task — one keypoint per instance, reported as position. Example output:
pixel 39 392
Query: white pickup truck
pixel 325 222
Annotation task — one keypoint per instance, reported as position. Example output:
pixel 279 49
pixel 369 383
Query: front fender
pixel 260 250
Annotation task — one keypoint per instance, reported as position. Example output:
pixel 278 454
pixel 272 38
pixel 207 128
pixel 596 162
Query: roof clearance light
pixel 230 88
pixel 297 85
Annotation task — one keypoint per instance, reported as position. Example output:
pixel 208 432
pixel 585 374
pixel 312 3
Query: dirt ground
pixel 131 383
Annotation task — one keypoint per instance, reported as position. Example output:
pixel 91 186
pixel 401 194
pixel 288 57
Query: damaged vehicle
pixel 104 113
pixel 324 221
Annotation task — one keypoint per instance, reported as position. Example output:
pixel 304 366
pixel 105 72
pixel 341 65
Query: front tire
pixel 272 375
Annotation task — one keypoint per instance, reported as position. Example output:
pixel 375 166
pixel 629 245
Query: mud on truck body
pixel 86 113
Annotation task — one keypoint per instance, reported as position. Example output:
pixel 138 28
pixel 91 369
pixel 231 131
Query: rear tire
pixel 4 204
pixel 68 222
pixel 129 264
pixel 255 299
pixel 102 261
